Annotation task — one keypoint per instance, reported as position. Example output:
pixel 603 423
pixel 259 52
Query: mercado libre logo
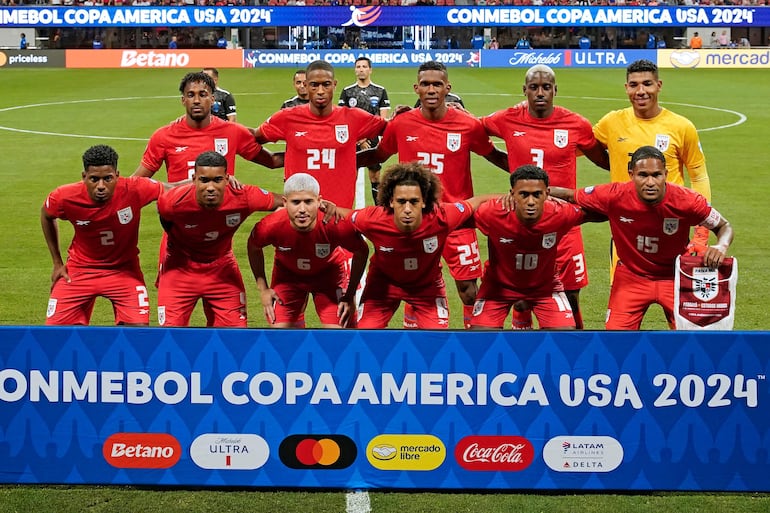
pixel 363 16
pixel 320 452
pixel 406 452
pixel 141 450
pixel 494 453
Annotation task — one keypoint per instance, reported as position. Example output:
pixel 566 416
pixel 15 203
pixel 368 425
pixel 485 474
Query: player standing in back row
pixel 550 137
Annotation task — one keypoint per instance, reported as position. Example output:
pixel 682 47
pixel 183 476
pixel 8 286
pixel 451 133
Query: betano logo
pixel 583 454
pixel 406 452
pixel 141 450
pixel 153 59
pixel 228 451
pixel 321 452
pixel 498 453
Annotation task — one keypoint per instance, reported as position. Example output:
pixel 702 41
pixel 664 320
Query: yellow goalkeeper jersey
pixel 674 135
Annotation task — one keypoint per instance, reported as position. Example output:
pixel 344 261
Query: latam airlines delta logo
pixel 583 454
pixel 141 450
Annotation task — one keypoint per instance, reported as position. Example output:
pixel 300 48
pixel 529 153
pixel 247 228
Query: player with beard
pixel 308 260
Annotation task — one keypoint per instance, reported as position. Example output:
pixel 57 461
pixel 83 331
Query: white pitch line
pixel 358 502
pixel 741 117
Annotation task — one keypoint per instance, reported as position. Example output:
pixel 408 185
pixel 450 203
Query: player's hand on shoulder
pixel 234 183
pixel 400 109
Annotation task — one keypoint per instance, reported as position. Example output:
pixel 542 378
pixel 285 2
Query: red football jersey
pixel 324 147
pixel 413 260
pixel 648 238
pixel 106 235
pixel 443 146
pixel 204 235
pixel 551 143
pixel 178 145
pixel 521 257
pixel 306 253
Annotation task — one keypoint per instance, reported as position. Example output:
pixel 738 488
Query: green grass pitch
pixel 49 117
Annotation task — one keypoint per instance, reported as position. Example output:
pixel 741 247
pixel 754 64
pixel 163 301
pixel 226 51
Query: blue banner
pixel 362 16
pixel 385 409
pixel 563 58
pixel 379 58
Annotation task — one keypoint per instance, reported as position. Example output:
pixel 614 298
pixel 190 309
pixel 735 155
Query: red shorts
pixel 552 312
pixel 571 261
pixel 72 303
pixel 461 255
pixel 294 290
pixel 218 284
pixel 382 298
pixel 632 295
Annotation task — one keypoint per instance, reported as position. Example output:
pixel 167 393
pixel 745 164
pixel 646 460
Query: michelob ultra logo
pixel 229 451
pixel 406 452
pixel 322 452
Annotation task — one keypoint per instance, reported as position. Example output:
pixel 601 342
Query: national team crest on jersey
pixel 221 146
pixel 233 220
pixel 125 215
pixel 705 283
pixel 341 133
pixel 662 141
pixel 161 315
pixel 322 250
pixel 51 307
pixel 670 225
pixel 561 138
pixel 549 239
pixel 430 245
pixel 453 141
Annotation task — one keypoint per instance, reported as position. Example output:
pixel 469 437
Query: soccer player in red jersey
pixel 321 137
pixel 308 260
pixel 179 143
pixel 522 265
pixel 200 220
pixel 550 137
pixel 103 258
pixel 650 222
pixel 442 139
pixel 408 230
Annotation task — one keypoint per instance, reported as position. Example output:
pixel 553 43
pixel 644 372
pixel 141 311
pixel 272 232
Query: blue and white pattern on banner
pixel 383 16
pixel 385 409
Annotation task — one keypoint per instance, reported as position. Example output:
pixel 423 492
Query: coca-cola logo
pixel 494 453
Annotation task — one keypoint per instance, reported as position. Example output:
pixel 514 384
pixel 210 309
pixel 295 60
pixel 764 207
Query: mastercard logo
pixel 321 452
